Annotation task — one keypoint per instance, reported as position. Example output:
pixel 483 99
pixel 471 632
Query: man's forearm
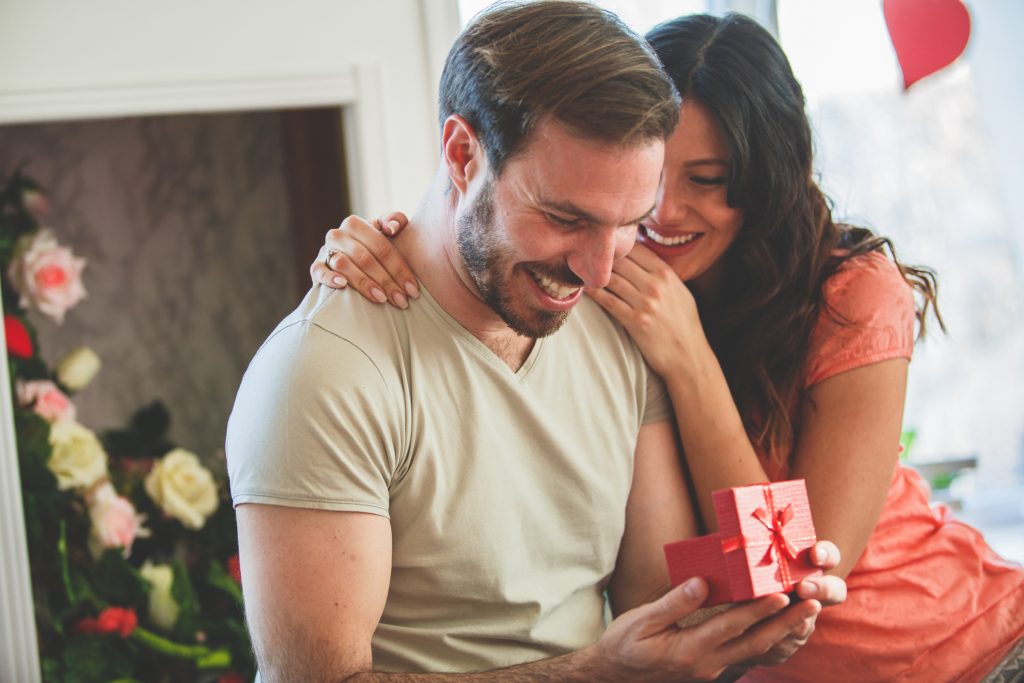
pixel 576 666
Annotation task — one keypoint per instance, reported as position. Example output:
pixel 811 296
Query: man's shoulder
pixel 328 323
pixel 590 322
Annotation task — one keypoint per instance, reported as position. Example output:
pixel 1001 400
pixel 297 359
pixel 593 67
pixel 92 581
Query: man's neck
pixel 430 247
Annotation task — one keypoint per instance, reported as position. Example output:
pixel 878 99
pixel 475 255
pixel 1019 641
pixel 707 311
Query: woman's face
pixel 693 225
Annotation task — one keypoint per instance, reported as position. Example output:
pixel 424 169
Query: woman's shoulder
pixel 867 316
pixel 864 284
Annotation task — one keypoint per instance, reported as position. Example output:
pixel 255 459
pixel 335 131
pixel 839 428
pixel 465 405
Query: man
pixel 452 488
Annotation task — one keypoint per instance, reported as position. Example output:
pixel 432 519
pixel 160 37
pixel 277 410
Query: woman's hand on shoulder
pixel 657 309
pixel 360 254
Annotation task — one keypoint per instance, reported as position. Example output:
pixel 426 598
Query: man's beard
pixel 490 266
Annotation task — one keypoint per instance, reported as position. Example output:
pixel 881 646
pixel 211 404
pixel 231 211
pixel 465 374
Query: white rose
pixel 183 488
pixel 78 458
pixel 77 368
pixel 163 609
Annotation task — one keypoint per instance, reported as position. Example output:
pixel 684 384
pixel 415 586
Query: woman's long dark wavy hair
pixel 788 245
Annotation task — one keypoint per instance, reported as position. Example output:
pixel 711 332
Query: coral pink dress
pixel 929 601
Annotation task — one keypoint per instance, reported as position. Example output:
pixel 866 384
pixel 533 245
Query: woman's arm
pixel 360 254
pixel 849 429
pixel 659 312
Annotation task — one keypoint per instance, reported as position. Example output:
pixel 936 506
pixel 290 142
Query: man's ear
pixel 463 154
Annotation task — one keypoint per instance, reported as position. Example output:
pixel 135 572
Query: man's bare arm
pixel 315 583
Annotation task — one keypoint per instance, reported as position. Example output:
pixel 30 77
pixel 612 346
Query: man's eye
pixel 561 221
pixel 708 181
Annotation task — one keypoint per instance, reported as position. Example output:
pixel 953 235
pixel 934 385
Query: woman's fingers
pixel 321 273
pixel 369 267
pixel 626 289
pixel 828 590
pixel 645 258
pixel 391 223
pixel 612 304
pixel 825 554
pixel 357 254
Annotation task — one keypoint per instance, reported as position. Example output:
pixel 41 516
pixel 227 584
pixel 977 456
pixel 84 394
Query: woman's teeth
pixel 552 288
pixel 670 241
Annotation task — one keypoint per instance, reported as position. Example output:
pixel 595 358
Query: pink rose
pixel 115 524
pixel 47 275
pixel 46 400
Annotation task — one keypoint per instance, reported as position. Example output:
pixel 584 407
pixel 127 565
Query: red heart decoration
pixel 927 34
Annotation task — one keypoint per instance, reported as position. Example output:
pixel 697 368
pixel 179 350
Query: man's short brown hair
pixel 518 63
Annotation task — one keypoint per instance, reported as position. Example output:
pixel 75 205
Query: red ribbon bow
pixel 780 547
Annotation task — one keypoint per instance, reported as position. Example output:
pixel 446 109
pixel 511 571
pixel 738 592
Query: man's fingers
pixel 733 623
pixel 677 604
pixel 786 631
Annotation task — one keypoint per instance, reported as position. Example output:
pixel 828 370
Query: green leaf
pixel 219 578
pixel 92 658
pixel 184 594
pixel 119 583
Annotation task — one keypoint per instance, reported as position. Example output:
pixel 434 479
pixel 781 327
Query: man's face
pixel 561 212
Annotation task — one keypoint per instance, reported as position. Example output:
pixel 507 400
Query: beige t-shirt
pixel 506 490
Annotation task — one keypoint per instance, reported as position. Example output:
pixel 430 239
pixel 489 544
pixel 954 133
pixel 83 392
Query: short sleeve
pixel 869 318
pixel 313 426
pixel 657 405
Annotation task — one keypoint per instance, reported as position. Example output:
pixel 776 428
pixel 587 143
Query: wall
pixel 51 47
pixel 184 223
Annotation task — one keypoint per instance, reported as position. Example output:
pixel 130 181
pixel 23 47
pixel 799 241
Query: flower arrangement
pixel 132 542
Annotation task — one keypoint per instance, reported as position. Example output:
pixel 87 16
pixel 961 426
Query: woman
pixel 784 339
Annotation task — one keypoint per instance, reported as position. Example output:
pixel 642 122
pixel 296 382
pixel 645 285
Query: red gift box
pixel 764 537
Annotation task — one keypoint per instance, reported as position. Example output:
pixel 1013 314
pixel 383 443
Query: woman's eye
pixel 708 181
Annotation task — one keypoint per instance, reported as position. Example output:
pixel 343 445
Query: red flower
pixel 231 677
pixel 111 620
pixel 235 569
pixel 19 344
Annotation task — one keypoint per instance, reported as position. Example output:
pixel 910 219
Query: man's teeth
pixel 671 241
pixel 554 289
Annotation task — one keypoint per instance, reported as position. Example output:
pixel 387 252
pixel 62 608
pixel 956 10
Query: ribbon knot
pixel 780 548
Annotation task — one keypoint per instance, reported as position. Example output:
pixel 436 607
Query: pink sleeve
pixel 875 320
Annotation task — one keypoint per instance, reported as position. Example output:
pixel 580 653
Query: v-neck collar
pixel 478 346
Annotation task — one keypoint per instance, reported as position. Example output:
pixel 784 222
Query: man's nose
pixel 595 253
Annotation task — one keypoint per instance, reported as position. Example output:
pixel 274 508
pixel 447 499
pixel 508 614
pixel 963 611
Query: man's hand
pixel 646 644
